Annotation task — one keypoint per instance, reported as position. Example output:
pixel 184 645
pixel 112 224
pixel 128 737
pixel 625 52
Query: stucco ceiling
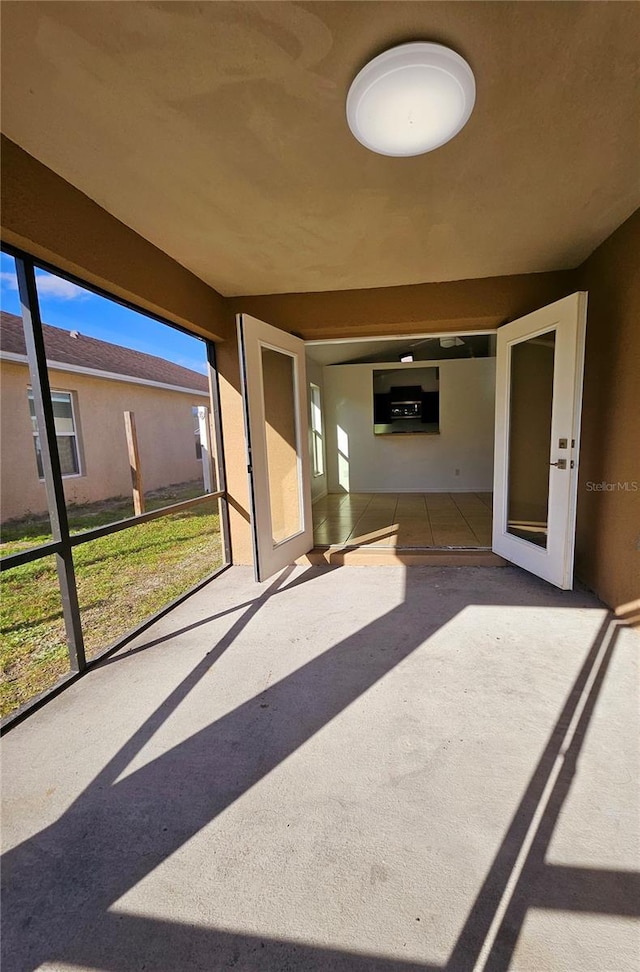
pixel 217 131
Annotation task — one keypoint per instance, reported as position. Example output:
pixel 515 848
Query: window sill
pixel 68 476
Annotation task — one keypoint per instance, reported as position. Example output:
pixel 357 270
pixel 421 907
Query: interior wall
pixel 608 527
pixel 359 461
pixel 315 374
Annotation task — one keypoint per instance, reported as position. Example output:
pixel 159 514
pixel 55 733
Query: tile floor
pixel 403 520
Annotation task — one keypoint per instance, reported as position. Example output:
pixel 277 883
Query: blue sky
pixel 65 305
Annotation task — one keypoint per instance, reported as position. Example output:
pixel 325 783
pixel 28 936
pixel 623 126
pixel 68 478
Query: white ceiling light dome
pixel 411 99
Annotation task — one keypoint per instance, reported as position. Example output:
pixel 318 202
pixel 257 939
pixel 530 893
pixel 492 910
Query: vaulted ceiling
pixel 217 131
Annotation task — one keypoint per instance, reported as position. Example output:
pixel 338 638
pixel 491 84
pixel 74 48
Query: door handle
pixel 561 463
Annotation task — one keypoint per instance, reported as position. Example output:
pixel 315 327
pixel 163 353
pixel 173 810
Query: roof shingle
pixel 88 352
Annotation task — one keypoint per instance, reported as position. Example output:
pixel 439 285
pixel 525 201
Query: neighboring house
pixel 92 384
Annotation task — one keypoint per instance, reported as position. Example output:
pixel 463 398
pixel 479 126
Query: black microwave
pixel 405 402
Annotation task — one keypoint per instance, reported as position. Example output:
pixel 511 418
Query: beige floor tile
pixel 386 540
pixel 446 520
pixel 413 523
pixel 385 502
pixel 469 503
pixel 371 530
pixel 415 538
pixel 329 540
pixel 379 519
pixel 481 522
pixel 484 539
pixel 343 515
pixel 454 538
pixel 404 520
pixel 383 536
pixel 387 516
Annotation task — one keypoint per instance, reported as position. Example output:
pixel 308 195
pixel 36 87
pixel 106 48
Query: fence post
pixel 205 446
pixel 134 463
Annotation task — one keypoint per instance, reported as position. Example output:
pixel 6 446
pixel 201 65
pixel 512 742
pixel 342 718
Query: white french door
pixel 539 367
pixel 275 406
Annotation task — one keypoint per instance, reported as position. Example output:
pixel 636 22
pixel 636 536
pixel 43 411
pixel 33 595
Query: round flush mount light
pixel 411 99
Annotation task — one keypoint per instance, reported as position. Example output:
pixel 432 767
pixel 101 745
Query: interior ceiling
pixel 217 131
pixel 422 348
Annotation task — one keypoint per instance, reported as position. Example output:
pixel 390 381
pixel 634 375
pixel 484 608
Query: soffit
pixel 217 132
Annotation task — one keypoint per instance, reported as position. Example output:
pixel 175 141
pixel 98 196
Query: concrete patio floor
pixel 368 769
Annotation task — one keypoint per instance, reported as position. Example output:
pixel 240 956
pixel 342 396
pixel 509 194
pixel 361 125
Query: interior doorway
pixel 370 449
pixel 407 432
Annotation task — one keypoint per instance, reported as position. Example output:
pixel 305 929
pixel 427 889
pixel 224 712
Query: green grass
pixel 122 579
pixel 35 528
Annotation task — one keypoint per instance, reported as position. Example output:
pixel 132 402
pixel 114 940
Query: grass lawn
pixel 121 578
pixel 35 528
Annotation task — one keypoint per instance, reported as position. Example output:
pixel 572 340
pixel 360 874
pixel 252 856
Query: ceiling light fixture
pixel 411 99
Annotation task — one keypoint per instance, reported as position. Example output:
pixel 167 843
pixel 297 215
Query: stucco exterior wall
pixel 608 527
pixel 164 426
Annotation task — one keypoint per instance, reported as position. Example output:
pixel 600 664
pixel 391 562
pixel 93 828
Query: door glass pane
pixel 532 364
pixel 278 376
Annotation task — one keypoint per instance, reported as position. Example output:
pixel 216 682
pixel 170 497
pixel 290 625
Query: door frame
pixel 253 335
pixel 562 498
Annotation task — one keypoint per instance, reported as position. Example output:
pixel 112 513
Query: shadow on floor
pixel 59 885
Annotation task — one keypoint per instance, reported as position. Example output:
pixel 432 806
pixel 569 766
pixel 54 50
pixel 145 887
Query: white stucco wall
pixel 358 461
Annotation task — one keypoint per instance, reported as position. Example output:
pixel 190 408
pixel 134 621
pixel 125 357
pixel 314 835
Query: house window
pixel 66 433
pixel 317 450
